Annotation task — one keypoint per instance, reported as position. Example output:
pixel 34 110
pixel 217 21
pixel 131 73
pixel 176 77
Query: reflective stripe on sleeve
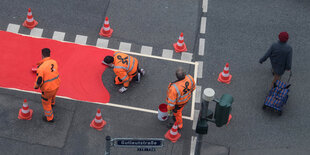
pixel 170 99
pixel 176 88
pixel 171 105
pixel 124 77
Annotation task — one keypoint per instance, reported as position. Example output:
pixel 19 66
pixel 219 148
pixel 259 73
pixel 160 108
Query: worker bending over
pixel 179 93
pixel 125 67
pixel 48 81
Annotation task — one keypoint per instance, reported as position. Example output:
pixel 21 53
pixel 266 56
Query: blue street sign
pixel 139 142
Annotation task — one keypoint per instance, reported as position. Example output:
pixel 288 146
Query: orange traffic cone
pixel 224 76
pixel 106 31
pixel 25 113
pixel 180 45
pixel 98 123
pixel 173 135
pixel 30 22
pixel 229 118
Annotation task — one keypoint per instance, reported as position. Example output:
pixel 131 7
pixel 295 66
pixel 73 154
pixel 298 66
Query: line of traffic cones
pixel 98 123
pixel 30 22
pixel 224 76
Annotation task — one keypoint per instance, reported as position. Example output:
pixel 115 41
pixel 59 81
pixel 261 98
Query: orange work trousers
pixel 48 99
pixel 178 117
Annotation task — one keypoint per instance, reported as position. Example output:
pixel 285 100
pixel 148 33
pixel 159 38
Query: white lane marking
pixel 204 6
pixel 80 39
pixel 196 114
pixel 102 43
pixel 194 93
pixel 186 56
pixel 193 145
pixel 198 94
pixel 146 50
pixel 201 50
pixel 124 46
pixel 59 35
pixel 132 53
pixel 13 28
pixel 106 104
pixel 167 53
pixel 200 69
pixel 37 32
pixel 203 25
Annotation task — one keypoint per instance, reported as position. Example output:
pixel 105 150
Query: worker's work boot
pixel 123 89
pixel 45 120
pixel 138 78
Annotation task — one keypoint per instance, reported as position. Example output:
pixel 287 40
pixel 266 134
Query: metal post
pixel 107 145
pixel 208 95
pixel 204 114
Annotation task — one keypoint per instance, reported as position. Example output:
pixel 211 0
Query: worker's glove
pixel 261 61
pixel 175 110
pixel 110 65
pixel 169 112
pixel 123 89
pixel 36 87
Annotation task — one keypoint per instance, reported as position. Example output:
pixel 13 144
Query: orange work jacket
pixel 125 67
pixel 48 70
pixel 180 92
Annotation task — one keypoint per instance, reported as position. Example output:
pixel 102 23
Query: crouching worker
pixel 126 69
pixel 179 93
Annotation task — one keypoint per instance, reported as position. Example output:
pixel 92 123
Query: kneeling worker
pixel 48 81
pixel 125 67
pixel 179 93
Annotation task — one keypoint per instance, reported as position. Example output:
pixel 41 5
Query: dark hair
pixel 108 59
pixel 180 73
pixel 46 52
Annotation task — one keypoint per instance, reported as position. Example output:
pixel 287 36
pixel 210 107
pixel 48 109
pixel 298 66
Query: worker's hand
pixel 123 89
pixel 169 112
pixel 36 86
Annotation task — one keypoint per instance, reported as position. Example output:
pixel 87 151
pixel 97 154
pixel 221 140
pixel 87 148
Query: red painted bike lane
pixel 80 66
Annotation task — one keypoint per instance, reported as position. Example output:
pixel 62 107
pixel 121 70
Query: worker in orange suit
pixel 48 81
pixel 126 69
pixel 178 95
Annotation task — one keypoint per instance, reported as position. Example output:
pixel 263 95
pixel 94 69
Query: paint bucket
pixel 162 112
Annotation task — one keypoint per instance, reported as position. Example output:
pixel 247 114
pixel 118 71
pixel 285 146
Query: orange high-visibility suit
pixel 125 68
pixel 178 95
pixel 48 81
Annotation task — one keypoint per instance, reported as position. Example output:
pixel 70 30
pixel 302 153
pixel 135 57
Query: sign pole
pixel 107 145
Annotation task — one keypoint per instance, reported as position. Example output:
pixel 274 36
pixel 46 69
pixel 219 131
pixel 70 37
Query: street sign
pixel 138 142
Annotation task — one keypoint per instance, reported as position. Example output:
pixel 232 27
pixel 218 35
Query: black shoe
pixel 45 120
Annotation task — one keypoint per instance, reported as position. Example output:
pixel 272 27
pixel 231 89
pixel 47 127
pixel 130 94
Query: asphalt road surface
pixel 235 31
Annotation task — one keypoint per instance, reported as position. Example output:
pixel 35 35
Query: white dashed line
pixel 198 94
pixel 37 32
pixel 201 50
pixel 193 145
pixel 196 114
pixel 13 28
pixel 200 69
pixel 59 35
pixel 124 46
pixel 167 53
pixel 102 43
pixel 204 6
pixel 79 39
pixel 187 56
pixel 203 25
pixel 146 50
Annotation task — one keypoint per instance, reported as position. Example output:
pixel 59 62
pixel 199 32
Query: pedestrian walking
pixel 48 81
pixel 280 54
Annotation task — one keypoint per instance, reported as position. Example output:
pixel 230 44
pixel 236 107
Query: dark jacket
pixel 280 55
